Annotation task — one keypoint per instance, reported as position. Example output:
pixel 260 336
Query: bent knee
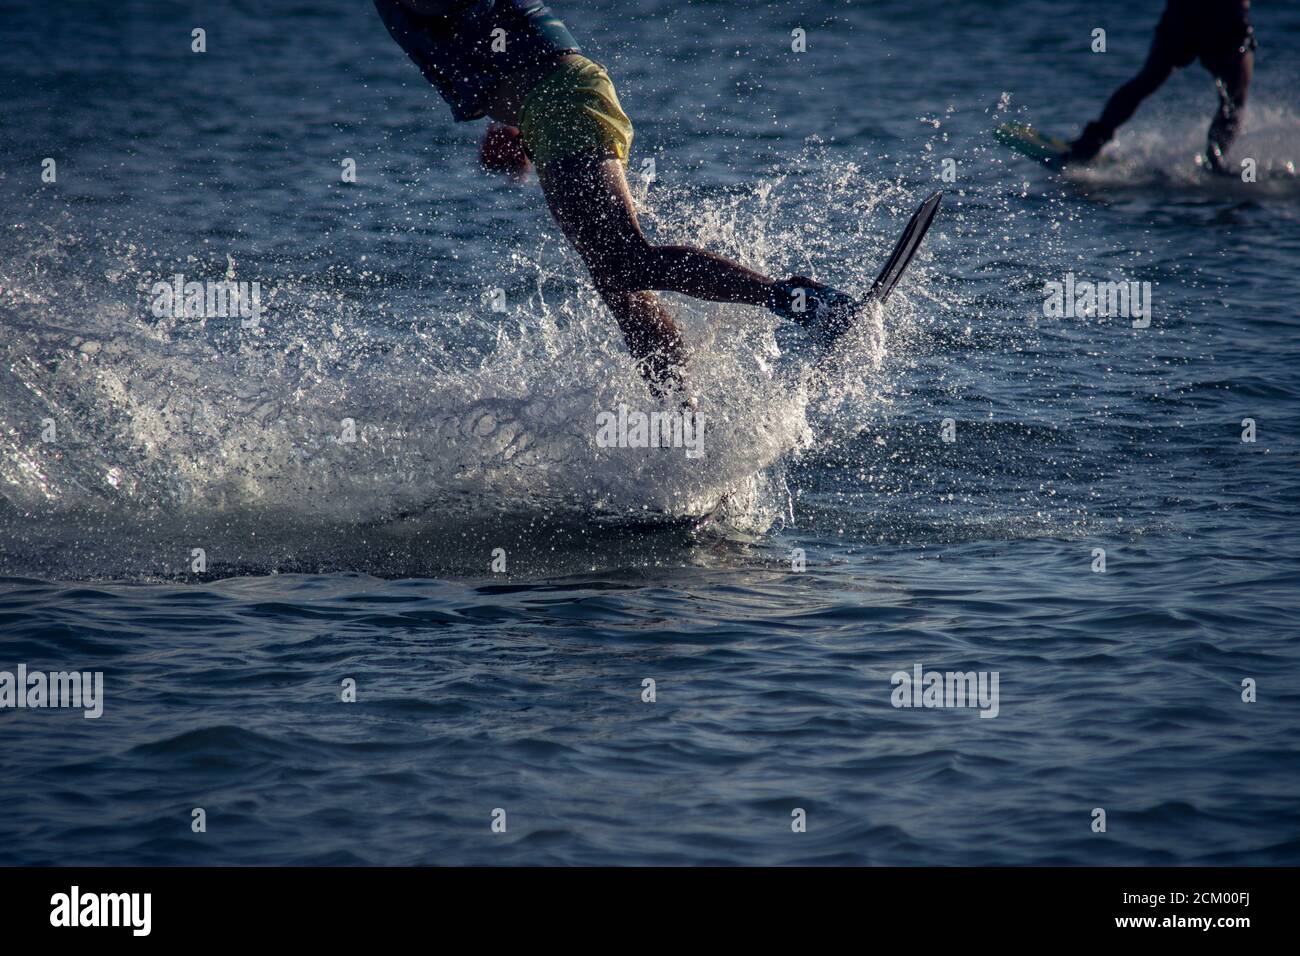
pixel 625 267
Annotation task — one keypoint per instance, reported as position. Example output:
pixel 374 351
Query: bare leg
pixel 652 337
pixel 589 198
pixel 1232 79
pixel 1124 103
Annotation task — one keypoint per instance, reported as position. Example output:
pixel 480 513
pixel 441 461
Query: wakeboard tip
pixel 1052 151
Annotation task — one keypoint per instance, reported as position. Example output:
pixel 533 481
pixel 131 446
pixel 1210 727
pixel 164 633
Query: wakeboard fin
pixel 827 326
pixel 908 243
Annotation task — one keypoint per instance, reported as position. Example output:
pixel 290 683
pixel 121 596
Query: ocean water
pixel 857 543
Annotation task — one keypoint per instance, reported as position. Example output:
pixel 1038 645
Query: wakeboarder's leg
pixel 590 199
pixel 1232 75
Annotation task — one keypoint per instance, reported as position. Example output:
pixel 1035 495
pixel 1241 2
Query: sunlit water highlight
pixel 372 559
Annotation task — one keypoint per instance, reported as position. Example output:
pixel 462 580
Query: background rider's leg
pixel 1233 80
pixel 1169 49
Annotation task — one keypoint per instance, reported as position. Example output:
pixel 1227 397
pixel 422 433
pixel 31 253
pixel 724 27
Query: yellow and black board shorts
pixel 574 111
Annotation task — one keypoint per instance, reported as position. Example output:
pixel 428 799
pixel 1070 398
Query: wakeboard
pixel 1052 151
pixel 908 243
pixel 839 323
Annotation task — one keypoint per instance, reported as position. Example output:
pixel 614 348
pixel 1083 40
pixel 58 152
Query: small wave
pixel 362 410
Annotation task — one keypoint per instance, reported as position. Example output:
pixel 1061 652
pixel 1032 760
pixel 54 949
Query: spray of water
pixel 346 418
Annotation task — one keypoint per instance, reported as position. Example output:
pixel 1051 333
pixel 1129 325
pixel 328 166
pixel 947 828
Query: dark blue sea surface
pixel 198 527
